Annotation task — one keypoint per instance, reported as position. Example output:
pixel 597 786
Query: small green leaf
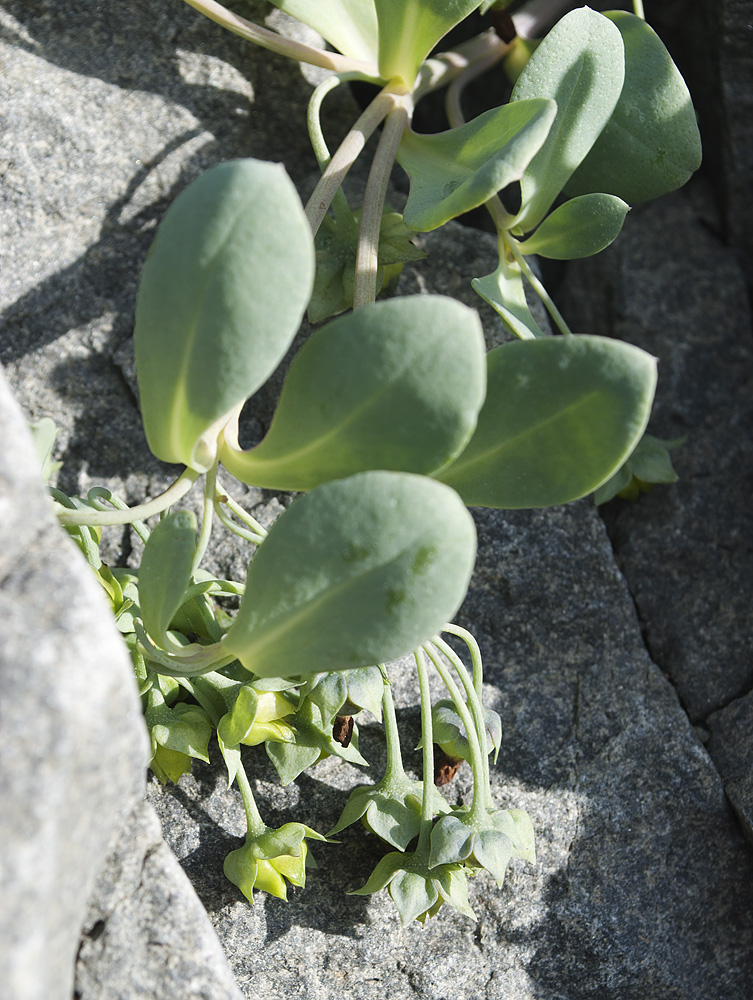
pixel 336 245
pixel 649 464
pixel 396 385
pixel 561 415
pixel 165 572
pixel 503 290
pixel 580 228
pixel 580 65
pixel 43 433
pixel 409 31
pixel 651 144
pixel 357 572
pixel 222 294
pixel 454 171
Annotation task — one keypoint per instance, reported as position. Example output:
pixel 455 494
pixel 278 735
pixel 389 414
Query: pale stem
pixel 453 105
pixel 99 497
pixel 531 20
pixel 477 710
pixel 480 793
pixel 365 288
pixel 345 156
pixel 394 769
pixel 441 69
pixel 210 485
pixel 427 738
pixel 283 46
pixel 103 518
pixel 340 205
pixel 536 284
pixel 638 8
pixel 473 648
pixel 222 497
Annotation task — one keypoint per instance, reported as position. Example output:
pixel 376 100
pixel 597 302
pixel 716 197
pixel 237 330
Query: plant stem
pixel 102 518
pixel 480 793
pixel 99 496
pixel 210 486
pixel 345 156
pixel 533 18
pixel 367 257
pixel 340 206
pixel 255 825
pixel 283 46
pixel 638 9
pixel 537 286
pixel 477 711
pixel 474 69
pixel 257 532
pixel 440 70
pixel 394 769
pixel 427 738
pixel 473 648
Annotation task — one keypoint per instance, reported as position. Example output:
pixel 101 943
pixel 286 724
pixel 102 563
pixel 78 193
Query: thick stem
pixel 367 257
pixel 480 794
pixel 345 156
pixel 283 46
pixel 427 737
pixel 394 769
pixel 255 825
pixel 536 285
pixel 102 518
pixel 638 8
pixel 440 70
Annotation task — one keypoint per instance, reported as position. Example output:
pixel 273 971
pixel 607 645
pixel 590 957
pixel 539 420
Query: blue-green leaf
pixel 165 572
pixel 222 294
pixel 455 171
pixel 651 144
pixel 580 228
pixel 580 65
pixel 359 571
pixel 561 415
pixel 396 385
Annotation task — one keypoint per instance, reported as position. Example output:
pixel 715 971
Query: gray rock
pixel 72 740
pixel 669 286
pixel 731 749
pixel 146 933
pixel 643 884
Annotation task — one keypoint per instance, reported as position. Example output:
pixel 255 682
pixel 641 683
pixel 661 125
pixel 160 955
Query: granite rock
pixel 731 749
pixel 72 740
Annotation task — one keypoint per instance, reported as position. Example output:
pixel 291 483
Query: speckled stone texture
pixel 607 641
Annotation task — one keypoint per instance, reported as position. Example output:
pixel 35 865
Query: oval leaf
pixel 396 385
pixel 409 31
pixel 580 65
pixel 222 294
pixel 651 144
pixel 358 571
pixel 579 228
pixel 165 572
pixel 561 415
pixel 455 171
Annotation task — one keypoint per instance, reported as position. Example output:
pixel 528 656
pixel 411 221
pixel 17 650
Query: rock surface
pixel 72 740
pixel 642 887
